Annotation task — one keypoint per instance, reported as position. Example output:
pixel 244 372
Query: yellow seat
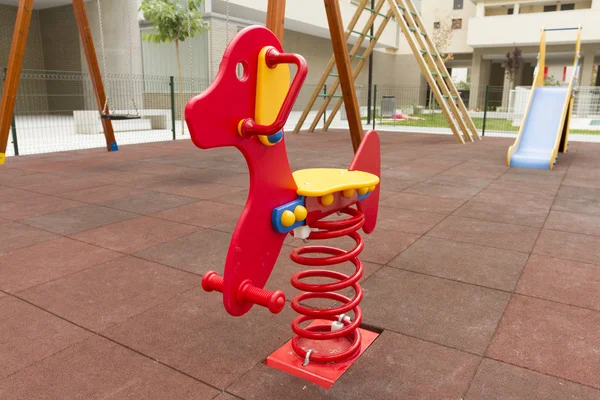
pixel 317 182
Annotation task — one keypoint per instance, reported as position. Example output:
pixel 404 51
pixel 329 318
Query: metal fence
pixel 57 111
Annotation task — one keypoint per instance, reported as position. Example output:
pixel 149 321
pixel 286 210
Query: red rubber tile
pixel 456 192
pixel 470 263
pixel 111 293
pixel 66 185
pixel 499 381
pixel 28 335
pixel 393 367
pixel 148 203
pixel 569 246
pixel 35 207
pixel 563 281
pixel 134 235
pixel 508 213
pixel 102 194
pixel 14 236
pixel 203 213
pixel 572 222
pixel 98 369
pixel 438 310
pixel 10 194
pixel 551 338
pixel 408 221
pixel 418 202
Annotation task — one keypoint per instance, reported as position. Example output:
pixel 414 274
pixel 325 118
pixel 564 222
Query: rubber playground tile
pixel 498 381
pixel 225 396
pixel 31 266
pixel 35 207
pixel 199 190
pixel 452 191
pixel 199 252
pixel 102 194
pixel 193 333
pixel 536 176
pixel 477 170
pixel 14 236
pixel 135 234
pixel 460 181
pixel 573 222
pixel 509 213
pixel 569 246
pixel 237 198
pixel 493 234
pixel 33 179
pixel 148 203
pixel 542 189
pixel 419 202
pixel 562 281
pixel 408 221
pixel 28 334
pixel 506 197
pixel 581 205
pixel 66 185
pixel 73 220
pixel 396 185
pixel 98 369
pixel 203 213
pixel 393 367
pixel 381 246
pixel 239 180
pixel 108 294
pixel 551 338
pixel 469 263
pixel 573 192
pixel 10 194
pixel 450 313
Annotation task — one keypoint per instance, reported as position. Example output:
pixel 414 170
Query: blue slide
pixel 543 126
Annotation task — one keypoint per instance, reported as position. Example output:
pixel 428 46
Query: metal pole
pixel 172 85
pixel 370 84
pixel 374 106
pixel 325 111
pixel 485 109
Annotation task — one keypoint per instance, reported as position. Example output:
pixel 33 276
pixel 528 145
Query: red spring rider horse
pixel 249 112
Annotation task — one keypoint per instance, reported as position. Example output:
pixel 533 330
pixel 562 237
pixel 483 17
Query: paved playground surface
pixel 483 279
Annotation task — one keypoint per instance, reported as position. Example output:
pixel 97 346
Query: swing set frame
pixel 275 22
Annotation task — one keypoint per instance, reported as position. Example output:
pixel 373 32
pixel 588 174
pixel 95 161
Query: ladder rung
pixel 334 75
pixel 373 11
pixel 422 51
pixel 357 56
pixel 447 97
pixel 412 29
pixel 444 76
pixel 434 55
pixel 335 96
pixel 434 74
pixel 404 9
pixel 360 33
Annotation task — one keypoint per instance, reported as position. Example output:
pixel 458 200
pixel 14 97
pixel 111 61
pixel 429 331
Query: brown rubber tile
pixel 438 310
pixel 33 179
pixel 237 198
pixel 99 369
pixel 493 234
pixel 469 263
pixel 520 199
pixel 101 194
pixel 537 176
pixel 393 367
pixel 572 222
pixel 396 185
pixel 203 213
pixel 499 381
pixel 477 170
pixel 198 252
pixel 408 221
pixel 66 185
pixel 195 335
pixel 551 338
pixel 419 202
pixel 14 236
pixel 10 194
pixel 460 181
pixel 47 261
pixel 28 335
pixel 456 192
pixel 189 188
pixel 508 213
pixel 35 207
pixel 148 203
pixel 542 189
pixel 563 281
pixel 225 396
pixel 569 246
pixel 68 222
pixel 108 294
pixel 135 234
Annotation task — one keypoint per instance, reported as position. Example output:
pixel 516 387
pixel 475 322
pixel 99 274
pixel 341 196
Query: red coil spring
pixel 329 230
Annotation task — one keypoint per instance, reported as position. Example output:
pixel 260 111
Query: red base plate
pixel 324 375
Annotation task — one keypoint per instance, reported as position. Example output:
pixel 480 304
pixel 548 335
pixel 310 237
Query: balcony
pixel 524 29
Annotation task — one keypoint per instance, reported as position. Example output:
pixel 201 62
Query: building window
pixel 550 8
pixel 511 11
pixel 436 25
pixel 567 7
pixel 456 23
pixel 458 4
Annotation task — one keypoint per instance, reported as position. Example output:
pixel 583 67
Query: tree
pixel 174 23
pixel 512 64
pixel 442 37
pixel 594 81
pixel 551 81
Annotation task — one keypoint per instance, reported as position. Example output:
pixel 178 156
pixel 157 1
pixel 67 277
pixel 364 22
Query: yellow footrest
pixel 318 182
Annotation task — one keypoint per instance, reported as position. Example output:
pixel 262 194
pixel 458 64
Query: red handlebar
pixel 249 127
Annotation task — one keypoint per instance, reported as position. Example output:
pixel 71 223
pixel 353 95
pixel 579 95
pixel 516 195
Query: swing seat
pixel 120 117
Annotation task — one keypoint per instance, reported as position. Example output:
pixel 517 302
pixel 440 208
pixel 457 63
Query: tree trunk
pixel 181 108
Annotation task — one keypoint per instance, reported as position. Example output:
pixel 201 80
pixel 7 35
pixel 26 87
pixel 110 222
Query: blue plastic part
pixel 541 128
pixel 276 138
pixel 278 212
pixel 114 146
pixel 364 196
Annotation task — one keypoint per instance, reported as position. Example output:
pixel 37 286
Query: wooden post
pixel 342 60
pixel 94 69
pixel 15 62
pixel 276 18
